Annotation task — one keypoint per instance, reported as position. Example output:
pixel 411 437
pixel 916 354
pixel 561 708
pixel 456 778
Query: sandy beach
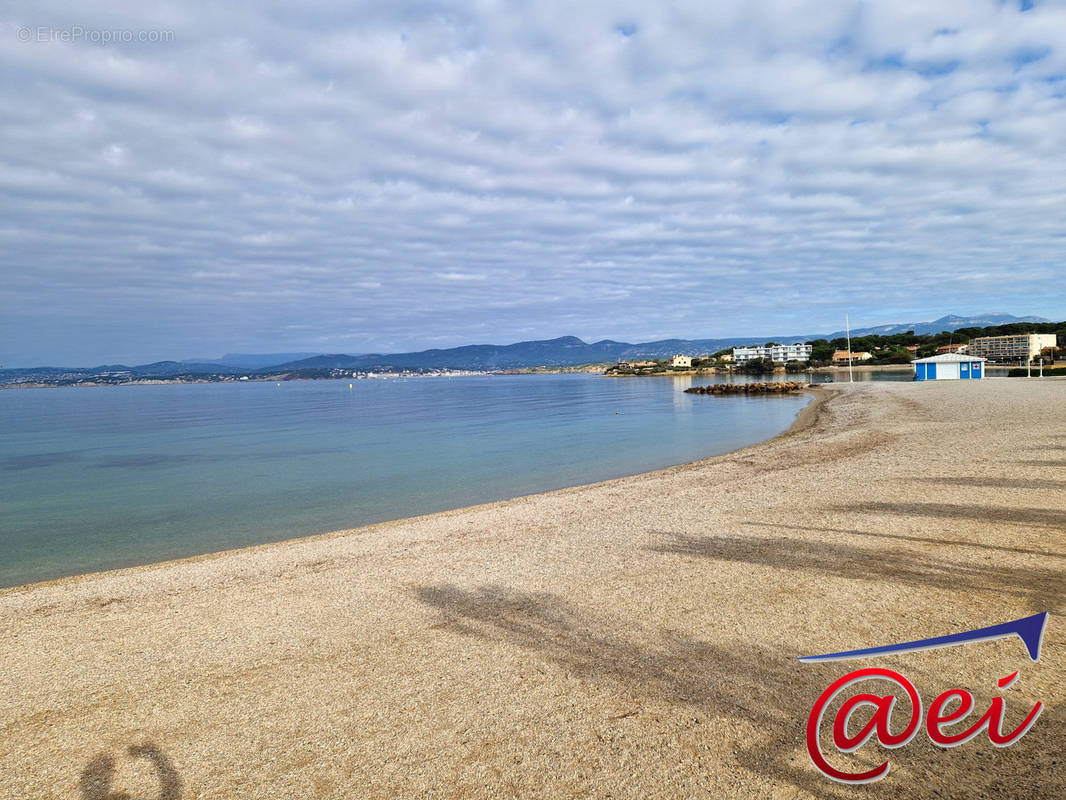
pixel 630 639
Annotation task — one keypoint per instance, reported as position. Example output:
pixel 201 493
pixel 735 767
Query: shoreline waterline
pixel 107 481
pixel 805 418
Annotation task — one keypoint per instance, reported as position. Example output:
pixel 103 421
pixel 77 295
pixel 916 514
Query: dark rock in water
pixel 766 387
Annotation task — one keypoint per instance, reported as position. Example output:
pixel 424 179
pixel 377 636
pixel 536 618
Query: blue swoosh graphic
pixel 1029 629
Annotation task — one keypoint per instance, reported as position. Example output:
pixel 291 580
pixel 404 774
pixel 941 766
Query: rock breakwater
pixel 766 387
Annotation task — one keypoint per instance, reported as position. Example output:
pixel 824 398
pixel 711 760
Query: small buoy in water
pixel 279 385
pixel 350 385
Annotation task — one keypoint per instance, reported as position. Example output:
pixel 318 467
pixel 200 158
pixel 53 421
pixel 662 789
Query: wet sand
pixel 633 638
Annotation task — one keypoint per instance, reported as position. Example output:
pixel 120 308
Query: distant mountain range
pixel 949 323
pixel 563 351
pixel 250 360
pixel 569 350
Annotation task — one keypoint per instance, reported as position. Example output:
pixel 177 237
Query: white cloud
pixel 399 173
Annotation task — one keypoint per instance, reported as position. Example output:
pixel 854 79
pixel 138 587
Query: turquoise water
pixel 98 478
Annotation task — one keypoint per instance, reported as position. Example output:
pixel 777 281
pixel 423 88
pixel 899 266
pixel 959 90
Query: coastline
pixel 278 378
pixel 592 640
pixel 592 368
pixel 804 419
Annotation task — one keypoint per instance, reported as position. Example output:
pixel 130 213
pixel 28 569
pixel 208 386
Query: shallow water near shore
pixel 99 478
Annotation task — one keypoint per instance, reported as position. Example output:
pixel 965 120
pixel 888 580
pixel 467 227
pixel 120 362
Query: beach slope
pixel 635 638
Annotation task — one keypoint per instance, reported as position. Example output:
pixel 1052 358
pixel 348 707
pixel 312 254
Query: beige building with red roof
pixel 843 356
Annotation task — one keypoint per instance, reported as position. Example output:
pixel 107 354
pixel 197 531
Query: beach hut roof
pixel 951 358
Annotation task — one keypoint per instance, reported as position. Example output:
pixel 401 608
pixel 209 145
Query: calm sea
pixel 98 478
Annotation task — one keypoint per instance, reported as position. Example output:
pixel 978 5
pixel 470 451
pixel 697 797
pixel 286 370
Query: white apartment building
pixel 777 352
pixel 1018 347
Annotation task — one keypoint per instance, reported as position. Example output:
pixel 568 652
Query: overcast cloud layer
pixel 391 176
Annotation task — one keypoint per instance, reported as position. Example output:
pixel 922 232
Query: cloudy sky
pixel 266 176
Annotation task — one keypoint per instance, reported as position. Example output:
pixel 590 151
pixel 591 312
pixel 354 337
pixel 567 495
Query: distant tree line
pixel 890 349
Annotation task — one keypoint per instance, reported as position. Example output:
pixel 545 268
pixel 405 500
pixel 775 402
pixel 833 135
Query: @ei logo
pixel 941 711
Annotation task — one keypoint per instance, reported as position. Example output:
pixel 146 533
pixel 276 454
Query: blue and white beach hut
pixel 949 367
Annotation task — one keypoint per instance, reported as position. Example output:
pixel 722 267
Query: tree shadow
pixel 1045 518
pixel 1041 588
pixel 1020 768
pixel 995 483
pixel 99 774
pixel 742 681
pixel 907 538
pixel 738 681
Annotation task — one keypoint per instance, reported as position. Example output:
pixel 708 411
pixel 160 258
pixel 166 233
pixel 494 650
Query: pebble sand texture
pixel 635 638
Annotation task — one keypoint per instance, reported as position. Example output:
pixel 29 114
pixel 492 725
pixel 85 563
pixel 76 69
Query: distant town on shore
pixel 1012 340
pixel 870 350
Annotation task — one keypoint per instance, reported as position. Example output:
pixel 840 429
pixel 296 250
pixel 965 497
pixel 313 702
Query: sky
pixel 184 179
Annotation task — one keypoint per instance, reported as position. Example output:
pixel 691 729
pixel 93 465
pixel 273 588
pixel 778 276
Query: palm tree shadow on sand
pixel 734 680
pixel 1039 587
